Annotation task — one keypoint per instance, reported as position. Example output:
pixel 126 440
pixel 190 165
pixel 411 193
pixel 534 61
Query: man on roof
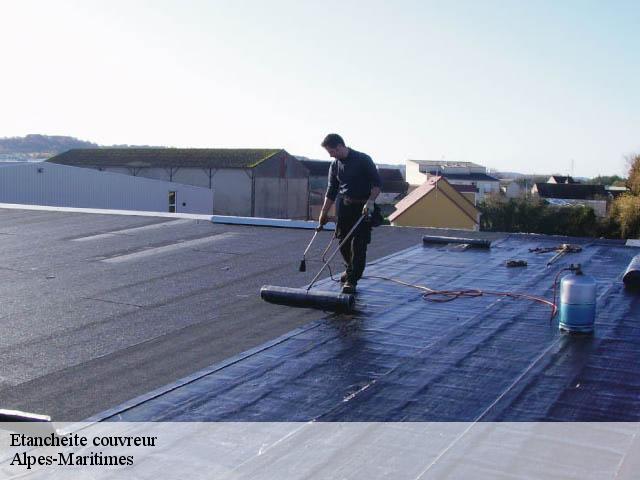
pixel 355 177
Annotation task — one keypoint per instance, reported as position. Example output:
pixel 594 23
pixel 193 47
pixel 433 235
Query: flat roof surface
pixel 402 358
pixel 98 309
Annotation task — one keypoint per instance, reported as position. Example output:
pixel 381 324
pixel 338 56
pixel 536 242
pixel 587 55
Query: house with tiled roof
pixel 561 179
pixel 436 203
pixel 245 182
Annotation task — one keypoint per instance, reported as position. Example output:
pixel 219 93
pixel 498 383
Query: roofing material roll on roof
pixel 299 297
pixel 475 242
pixel 631 276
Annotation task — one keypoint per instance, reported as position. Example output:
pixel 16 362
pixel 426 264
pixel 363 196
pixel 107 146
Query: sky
pixel 526 86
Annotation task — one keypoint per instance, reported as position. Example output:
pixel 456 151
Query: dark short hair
pixel 333 140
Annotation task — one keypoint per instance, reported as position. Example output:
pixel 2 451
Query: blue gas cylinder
pixel 577 303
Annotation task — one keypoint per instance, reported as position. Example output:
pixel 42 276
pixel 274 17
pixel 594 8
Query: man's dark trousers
pixel 354 251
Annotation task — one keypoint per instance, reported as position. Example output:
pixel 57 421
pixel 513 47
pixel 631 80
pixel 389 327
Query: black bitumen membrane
pixel 402 358
pixel 89 323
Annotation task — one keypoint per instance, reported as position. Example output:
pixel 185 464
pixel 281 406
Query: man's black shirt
pixel 353 177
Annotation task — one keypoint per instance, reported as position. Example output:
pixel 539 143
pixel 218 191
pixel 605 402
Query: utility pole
pixel 572 164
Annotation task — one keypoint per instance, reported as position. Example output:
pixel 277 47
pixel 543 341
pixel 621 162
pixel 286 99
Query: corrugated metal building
pixel 64 186
pixel 246 182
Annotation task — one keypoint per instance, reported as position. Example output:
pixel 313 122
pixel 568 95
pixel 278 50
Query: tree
pixel 625 211
pixel 605 180
pixel 536 216
pixel 633 183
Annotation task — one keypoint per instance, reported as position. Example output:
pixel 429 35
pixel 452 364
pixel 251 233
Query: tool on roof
pixel 303 262
pixel 305 297
pixel 516 263
pixel 560 250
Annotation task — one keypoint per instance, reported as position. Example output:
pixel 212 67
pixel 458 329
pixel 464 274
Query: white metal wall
pixel 64 186
pixel 232 187
pixel 413 173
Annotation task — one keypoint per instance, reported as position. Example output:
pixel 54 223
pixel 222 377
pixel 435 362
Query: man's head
pixel 335 147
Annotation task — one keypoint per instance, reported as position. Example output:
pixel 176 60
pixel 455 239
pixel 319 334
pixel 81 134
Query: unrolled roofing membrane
pixel 401 358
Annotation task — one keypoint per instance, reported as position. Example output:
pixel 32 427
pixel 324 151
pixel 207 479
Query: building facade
pixel 63 186
pixel 245 182
pixel 456 173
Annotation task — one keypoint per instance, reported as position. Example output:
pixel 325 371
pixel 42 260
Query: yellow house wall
pixel 436 210
pixel 453 193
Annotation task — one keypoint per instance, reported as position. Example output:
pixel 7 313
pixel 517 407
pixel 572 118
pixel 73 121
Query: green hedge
pixel 536 216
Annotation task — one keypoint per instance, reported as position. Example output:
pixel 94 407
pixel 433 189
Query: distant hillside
pixel 42 145
pixel 500 174
pixel 35 147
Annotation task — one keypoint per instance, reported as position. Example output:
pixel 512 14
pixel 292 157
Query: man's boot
pixel 349 287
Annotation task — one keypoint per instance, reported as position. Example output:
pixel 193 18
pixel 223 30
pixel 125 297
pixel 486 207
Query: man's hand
pixel 368 208
pixel 324 212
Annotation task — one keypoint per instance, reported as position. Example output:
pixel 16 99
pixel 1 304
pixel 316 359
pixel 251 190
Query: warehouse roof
pixel 579 191
pixel 447 163
pixel 166 157
pixel 480 177
pixel 401 357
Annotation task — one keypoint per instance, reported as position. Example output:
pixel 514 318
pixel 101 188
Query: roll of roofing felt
pixel 631 276
pixel 474 242
pixel 299 297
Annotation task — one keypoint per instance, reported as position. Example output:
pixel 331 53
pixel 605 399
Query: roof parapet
pixel 269 222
